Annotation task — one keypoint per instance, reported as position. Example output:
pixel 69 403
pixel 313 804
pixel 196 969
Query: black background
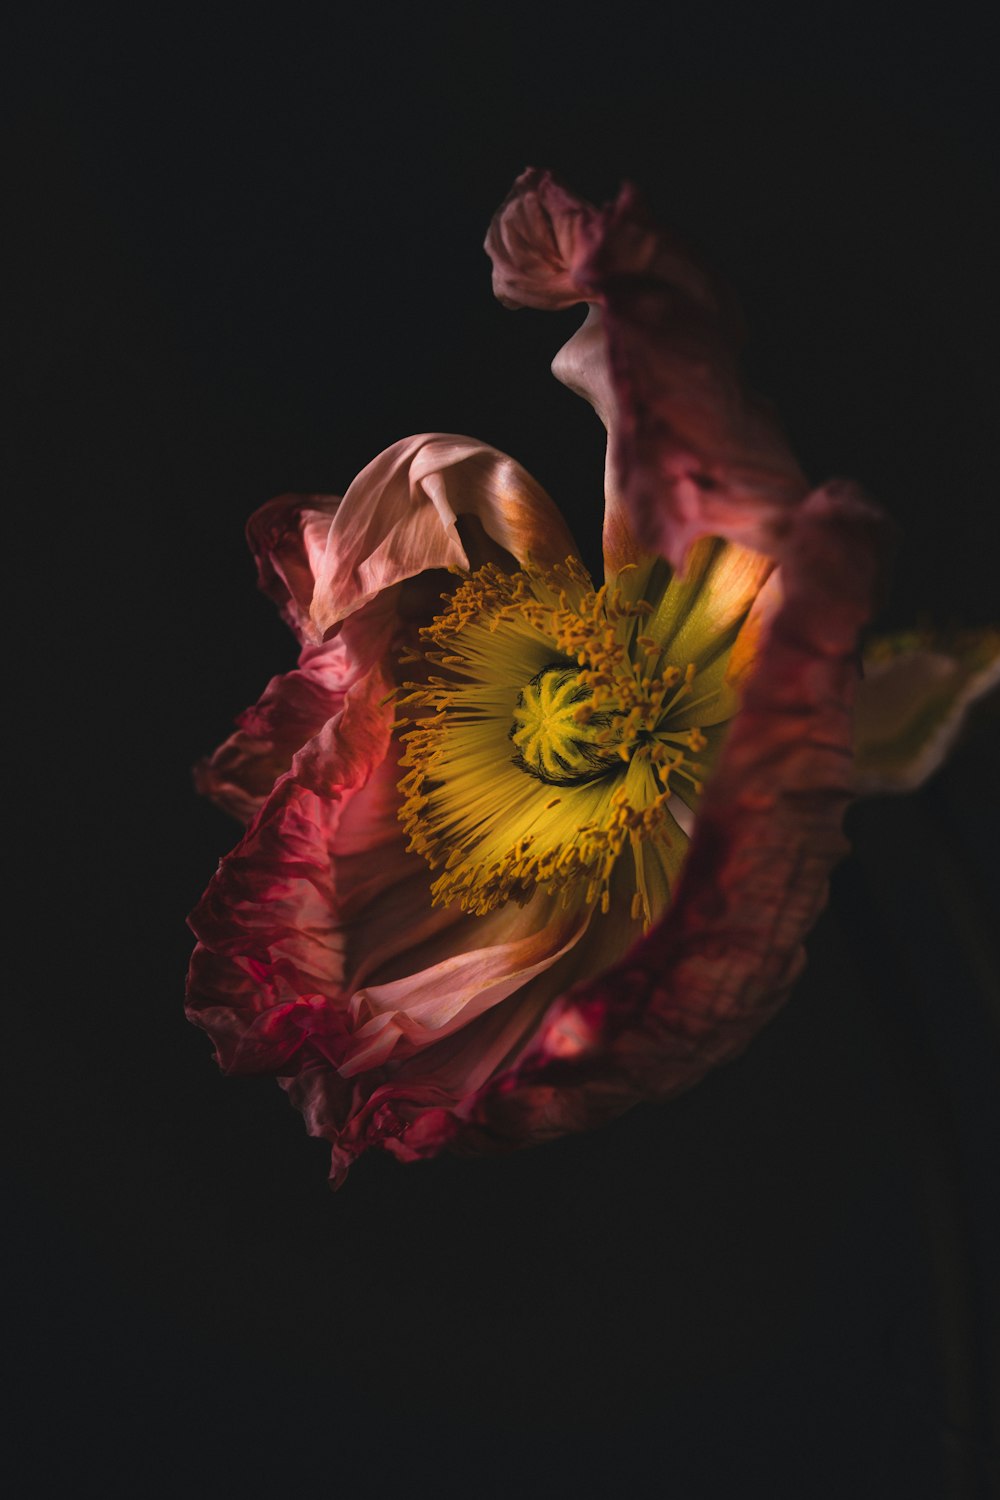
pixel 248 259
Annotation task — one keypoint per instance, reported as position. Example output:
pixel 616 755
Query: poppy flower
pixel 525 847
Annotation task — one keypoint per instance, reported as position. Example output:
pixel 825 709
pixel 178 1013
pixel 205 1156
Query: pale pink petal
pixel 400 518
pixel 583 366
pixel 405 1015
pixel 912 705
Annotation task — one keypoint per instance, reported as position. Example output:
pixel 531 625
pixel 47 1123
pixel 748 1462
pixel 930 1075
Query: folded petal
pixel 419 1102
pixel 321 957
pixel 401 518
pixel 693 453
pixel 537 241
pixel 912 703
pixel 270 951
pixel 427 503
pixel 319 947
pixel 293 708
pixel 287 537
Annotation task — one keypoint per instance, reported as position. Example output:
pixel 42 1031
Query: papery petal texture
pixel 695 990
pixel 694 452
pixel 400 518
pixel 399 1024
pixel 287 537
pixel 319 948
pixel 539 240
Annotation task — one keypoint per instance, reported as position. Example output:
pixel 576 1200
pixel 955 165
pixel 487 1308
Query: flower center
pixel 547 735
pixel 556 735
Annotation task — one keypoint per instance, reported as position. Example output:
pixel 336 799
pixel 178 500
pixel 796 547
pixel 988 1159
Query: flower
pixel 526 847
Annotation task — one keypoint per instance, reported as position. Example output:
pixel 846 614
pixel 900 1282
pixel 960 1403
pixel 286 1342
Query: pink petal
pixel 538 238
pixel 399 519
pixel 321 959
pixel 415 1106
pixel 287 537
pixel 319 947
pixel 582 364
pixel 487 960
pixel 694 453
pixel 269 951
pixel 292 709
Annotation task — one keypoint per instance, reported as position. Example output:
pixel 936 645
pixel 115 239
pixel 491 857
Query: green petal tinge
pixel 916 692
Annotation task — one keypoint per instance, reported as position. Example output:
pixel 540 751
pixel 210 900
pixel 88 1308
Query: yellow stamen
pixel 544 681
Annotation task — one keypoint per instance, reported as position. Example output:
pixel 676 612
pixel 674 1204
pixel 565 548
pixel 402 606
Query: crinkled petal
pixel 400 518
pixel 692 452
pixel 319 945
pixel 270 953
pixel 537 241
pixel 415 1106
pixel 913 702
pixel 695 453
pixel 287 537
pixel 292 709
pixel 321 958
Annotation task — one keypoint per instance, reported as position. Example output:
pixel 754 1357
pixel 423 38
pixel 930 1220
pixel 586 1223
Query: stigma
pixel 556 735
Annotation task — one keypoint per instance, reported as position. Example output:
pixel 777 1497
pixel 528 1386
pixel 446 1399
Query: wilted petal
pixel 287 537
pixel 399 519
pixel 537 241
pixel 912 703
pixel 269 952
pixel 694 453
pixel 416 1106
pixel 697 454
pixel 292 709
pixel 582 366
pixel 398 1024
pixel 319 945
